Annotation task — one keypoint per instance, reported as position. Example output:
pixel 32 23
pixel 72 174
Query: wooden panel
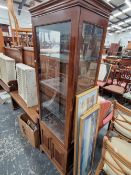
pixel 28 56
pixel 58 156
pixel 1 41
pixel 15 53
pixel 46 141
pixel 62 158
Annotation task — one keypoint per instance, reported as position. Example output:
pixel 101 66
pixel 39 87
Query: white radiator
pixel 26 79
pixel 7 69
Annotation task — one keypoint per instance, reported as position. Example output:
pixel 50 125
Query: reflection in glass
pixel 91 42
pixel 89 55
pixel 54 41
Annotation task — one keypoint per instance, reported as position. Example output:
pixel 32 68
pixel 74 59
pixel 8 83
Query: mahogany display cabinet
pixel 68 37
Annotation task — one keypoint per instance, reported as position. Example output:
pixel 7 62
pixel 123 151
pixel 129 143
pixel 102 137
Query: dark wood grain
pixel 52 12
pixel 15 53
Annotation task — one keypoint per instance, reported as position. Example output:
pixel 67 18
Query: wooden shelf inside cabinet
pixel 31 112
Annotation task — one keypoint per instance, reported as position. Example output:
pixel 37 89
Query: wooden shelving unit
pixel 4 86
pixel 31 112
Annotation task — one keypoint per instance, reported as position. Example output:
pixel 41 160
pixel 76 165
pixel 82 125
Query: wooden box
pixel 31 135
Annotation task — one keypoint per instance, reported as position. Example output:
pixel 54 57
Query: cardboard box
pixel 31 135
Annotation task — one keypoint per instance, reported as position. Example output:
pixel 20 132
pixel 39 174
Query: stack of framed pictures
pixel 86 128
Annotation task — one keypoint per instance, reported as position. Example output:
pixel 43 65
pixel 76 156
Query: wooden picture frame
pixel 87 141
pixel 81 108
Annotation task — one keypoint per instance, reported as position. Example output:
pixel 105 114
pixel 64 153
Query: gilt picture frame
pixel 87 140
pixel 84 102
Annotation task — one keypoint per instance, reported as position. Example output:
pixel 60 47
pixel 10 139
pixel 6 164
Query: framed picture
pixel 104 72
pixel 84 102
pixel 87 140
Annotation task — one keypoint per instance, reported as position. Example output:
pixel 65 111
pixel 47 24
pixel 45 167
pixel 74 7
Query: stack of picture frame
pixel 86 129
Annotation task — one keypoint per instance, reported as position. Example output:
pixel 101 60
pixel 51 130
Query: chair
pixel 127 95
pixel 104 73
pixel 116 157
pixel 121 122
pixel 105 111
pixel 120 82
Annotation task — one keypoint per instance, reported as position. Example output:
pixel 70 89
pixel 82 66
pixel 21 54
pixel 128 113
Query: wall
pixel 24 19
pixel 123 38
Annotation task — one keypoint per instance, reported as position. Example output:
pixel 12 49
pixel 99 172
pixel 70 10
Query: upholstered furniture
pixel 116 157
pixel 127 95
pixel 105 111
pixel 120 82
pixel 121 122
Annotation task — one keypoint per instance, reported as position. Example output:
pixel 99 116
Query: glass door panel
pixel 54 43
pixel 89 56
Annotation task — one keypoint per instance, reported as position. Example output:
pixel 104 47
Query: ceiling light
pixel 3 7
pixel 126 10
pixel 117 14
pixel 123 30
pixel 120 13
pixel 109 33
pixel 128 3
pixel 118 31
pixel 120 23
pixel 128 20
pixel 116 26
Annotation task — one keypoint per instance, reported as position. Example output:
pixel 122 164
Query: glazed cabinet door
pixel 54 52
pixel 46 141
pixel 58 156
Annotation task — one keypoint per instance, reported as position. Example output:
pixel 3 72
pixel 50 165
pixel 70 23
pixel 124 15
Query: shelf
pixel 31 112
pixel 54 120
pixel 54 123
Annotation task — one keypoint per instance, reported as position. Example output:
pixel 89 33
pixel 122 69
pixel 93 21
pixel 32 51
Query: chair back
pixel 115 158
pixel 114 161
pixel 121 121
pixel 123 77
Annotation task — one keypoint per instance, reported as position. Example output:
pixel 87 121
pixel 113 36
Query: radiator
pixel 7 69
pixel 26 78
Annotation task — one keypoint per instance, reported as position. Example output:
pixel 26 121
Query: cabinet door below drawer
pixel 46 141
pixel 58 156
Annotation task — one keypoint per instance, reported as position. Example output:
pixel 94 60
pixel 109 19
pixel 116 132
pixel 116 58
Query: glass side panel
pixel 89 56
pixel 54 43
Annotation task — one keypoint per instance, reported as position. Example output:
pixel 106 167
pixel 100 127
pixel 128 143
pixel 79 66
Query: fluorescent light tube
pixel 128 20
pixel 3 7
pixel 128 3
pixel 120 23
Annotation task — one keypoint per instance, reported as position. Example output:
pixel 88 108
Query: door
pixel 46 141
